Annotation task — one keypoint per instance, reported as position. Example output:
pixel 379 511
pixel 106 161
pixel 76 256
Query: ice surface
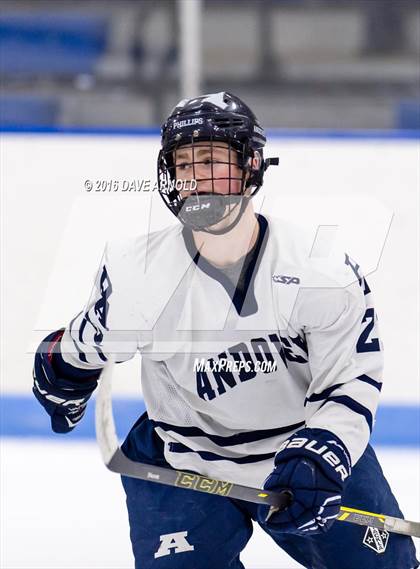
pixel 61 509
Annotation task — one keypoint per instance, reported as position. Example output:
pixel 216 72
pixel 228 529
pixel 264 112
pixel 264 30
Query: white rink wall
pixel 54 230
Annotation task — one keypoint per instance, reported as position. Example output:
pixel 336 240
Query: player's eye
pixel 183 165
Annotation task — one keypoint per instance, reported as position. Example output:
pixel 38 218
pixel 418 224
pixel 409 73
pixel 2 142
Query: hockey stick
pixel 116 461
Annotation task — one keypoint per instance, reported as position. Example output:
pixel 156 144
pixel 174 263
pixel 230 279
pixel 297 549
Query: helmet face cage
pixel 194 198
pixel 183 195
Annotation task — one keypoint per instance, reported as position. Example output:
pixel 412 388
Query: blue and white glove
pixel 314 465
pixel 64 399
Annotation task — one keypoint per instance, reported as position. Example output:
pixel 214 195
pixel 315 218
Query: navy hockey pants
pixel 173 528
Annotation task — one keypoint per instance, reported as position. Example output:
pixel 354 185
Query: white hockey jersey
pixel 228 374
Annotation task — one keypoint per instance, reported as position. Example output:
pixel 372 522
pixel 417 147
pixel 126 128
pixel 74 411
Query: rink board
pixel 22 416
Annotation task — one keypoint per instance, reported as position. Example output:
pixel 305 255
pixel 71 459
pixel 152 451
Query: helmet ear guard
pixel 265 164
pixel 270 162
pixel 256 175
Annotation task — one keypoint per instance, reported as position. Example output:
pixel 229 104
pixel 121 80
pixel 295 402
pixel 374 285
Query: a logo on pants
pixel 173 543
pixel 376 539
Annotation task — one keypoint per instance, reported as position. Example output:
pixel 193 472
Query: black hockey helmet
pixel 215 118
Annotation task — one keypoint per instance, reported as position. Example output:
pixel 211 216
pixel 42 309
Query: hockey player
pixel 260 364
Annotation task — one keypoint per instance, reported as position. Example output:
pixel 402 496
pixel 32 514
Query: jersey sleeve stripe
pixel 366 379
pixel 353 406
pixel 82 356
pixel 240 438
pixel 211 456
pixel 327 392
pixel 86 319
pixel 323 395
pixel 78 332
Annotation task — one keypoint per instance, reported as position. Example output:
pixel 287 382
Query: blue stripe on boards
pixel 23 416
pixel 82 130
pixel 272 133
pixel 344 134
pixel 397 425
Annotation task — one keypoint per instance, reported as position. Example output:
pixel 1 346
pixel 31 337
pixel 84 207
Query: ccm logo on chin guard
pixel 328 455
pixel 197 207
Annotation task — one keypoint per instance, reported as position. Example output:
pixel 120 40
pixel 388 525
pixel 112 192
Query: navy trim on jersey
pixel 243 298
pixel 325 394
pixel 82 356
pixel 353 406
pixel 211 456
pixel 370 381
pixel 86 319
pixel 238 439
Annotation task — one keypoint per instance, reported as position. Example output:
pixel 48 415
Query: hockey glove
pixel 64 399
pixel 314 464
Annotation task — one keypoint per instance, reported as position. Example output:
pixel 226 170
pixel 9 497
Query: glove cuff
pixel 44 371
pixel 322 447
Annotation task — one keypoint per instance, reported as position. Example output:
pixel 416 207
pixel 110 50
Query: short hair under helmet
pixel 216 117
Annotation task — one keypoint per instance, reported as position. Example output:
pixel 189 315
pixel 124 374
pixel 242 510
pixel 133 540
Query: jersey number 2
pixel 363 343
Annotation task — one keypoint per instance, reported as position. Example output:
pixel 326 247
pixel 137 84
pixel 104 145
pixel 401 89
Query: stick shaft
pixel 121 464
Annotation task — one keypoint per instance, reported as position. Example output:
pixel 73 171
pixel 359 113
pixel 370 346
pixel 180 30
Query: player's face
pixel 213 166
